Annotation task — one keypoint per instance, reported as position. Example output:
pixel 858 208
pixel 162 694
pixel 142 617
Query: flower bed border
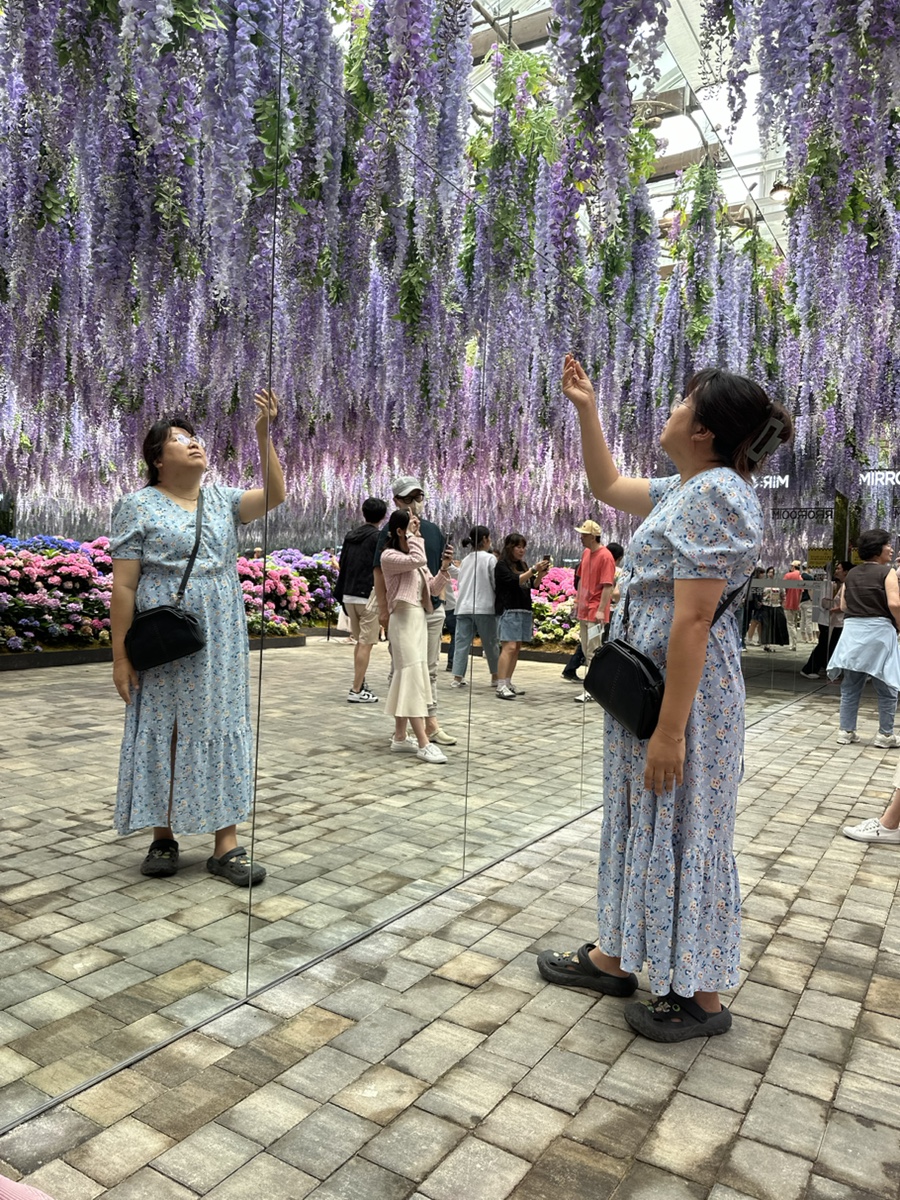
pixel 27 659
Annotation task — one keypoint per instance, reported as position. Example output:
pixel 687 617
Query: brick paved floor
pixel 430 1060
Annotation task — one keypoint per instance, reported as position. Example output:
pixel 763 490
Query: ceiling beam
pixel 528 31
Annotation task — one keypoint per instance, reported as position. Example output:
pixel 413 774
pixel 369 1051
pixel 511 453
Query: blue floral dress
pixel 668 892
pixel 205 696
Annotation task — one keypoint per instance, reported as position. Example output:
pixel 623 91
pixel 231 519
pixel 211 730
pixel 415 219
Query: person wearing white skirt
pixel 409 586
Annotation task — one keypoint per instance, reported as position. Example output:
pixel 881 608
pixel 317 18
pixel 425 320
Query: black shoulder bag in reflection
pixel 160 635
pixel 628 684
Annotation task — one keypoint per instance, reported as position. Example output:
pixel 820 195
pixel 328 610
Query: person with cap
pixel 596 580
pixel 792 602
pixel 409 495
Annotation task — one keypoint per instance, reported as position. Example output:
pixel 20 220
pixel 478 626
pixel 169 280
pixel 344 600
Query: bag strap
pixel 179 595
pixel 724 604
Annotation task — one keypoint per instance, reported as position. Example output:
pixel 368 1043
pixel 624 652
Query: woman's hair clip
pixel 768 441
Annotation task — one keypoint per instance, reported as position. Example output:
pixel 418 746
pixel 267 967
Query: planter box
pixel 103 654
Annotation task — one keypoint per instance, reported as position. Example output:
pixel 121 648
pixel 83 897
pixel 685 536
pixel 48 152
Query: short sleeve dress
pixel 668 892
pixel 205 696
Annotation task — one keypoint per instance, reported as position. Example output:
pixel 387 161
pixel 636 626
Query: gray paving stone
pixel 414 1144
pixel 868 1097
pixel 477 1171
pixel 324 1141
pixel 379 1034
pixel 639 1083
pixel 697 1157
pixel 802 1073
pixel 525 1039
pixel 59 1179
pixel 49 1136
pixel 786 1120
pixel 765 1172
pixel 644 1181
pixel 522 1126
pixel 267 1178
pixel 861 1153
pixel 569 1169
pixel 206 1157
pixel 323 1073
pixel 268 1114
pixel 612 1128
pixel 380 1094
pixel 148 1184
pixel 562 1080
pixel 721 1083
pixel 359 1178
pixel 435 1050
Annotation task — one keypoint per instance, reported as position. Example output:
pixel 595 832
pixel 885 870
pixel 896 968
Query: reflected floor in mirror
pixel 99 963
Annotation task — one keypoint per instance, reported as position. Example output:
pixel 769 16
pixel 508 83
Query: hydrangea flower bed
pixel 555 621
pixel 55 593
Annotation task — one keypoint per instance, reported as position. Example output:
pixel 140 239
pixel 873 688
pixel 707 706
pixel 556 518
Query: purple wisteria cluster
pixel 202 200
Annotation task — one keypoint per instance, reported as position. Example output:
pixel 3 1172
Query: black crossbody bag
pixel 629 685
pixel 160 635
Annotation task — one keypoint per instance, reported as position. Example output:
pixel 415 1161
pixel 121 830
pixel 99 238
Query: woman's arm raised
pixel 628 495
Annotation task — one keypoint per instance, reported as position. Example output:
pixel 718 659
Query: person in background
pixel 792 603
pixel 450 611
pixel 258 552
pixel 596 580
pixel 355 592
pixel 409 496
pixel 475 600
pixel 409 587
pixel 868 648
pixel 617 552
pixel 808 632
pixel 830 621
pixel 773 627
pixel 187 751
pixel 754 611
pixel 884 829
pixel 514 580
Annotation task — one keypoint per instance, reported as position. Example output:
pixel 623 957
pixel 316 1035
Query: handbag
pixel 160 635
pixel 628 684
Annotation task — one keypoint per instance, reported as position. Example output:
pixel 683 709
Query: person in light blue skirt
pixel 187 751
pixel 668 894
pixel 868 649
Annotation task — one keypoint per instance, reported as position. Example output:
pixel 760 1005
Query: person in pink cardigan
pixel 20 1191
pixel 409 586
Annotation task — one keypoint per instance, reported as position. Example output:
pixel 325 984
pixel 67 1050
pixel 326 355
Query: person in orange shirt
pixel 792 603
pixel 596 580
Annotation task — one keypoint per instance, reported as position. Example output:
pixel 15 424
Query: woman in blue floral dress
pixel 187 753
pixel 668 893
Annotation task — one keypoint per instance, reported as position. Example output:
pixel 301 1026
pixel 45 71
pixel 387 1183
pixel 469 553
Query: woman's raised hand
pixel 576 385
pixel 267 409
pixel 414 526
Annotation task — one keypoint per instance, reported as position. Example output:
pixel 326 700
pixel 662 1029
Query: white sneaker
pixel 518 691
pixel 408 746
pixel 809 675
pixel 459 683
pixel 872 830
pixel 363 696
pixel 846 736
pixel 886 741
pixel 505 693
pixel 431 754
pixel 584 698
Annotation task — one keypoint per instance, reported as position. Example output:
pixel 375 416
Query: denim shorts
pixel 515 625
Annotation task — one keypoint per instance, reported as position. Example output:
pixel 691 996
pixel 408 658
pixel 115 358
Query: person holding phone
pixel 409 587
pixel 668 892
pixel 513 583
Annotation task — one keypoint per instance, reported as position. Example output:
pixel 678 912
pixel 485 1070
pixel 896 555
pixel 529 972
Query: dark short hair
pixel 156 438
pixel 848 566
pixel 616 550
pixel 871 543
pixel 509 544
pixel 400 519
pixel 374 509
pixel 477 534
pixel 735 410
